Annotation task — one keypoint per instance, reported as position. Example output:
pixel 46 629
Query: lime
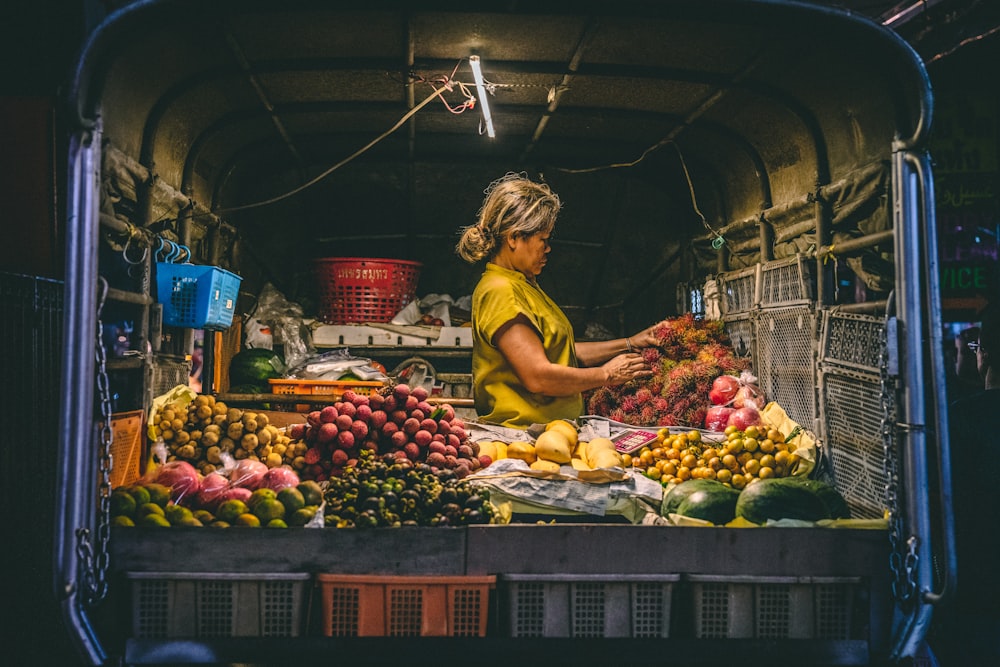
pixel 149 508
pixel 292 499
pixel 177 513
pixel 276 523
pixel 311 491
pixel 158 493
pixel 261 494
pixel 188 521
pixel 122 503
pixel 122 520
pixel 268 510
pixel 204 516
pixel 248 520
pixel 219 524
pixel 139 493
pixel 154 520
pixel 230 509
pixel 302 516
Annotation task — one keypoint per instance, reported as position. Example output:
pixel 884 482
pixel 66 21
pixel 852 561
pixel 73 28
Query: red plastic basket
pixel 363 289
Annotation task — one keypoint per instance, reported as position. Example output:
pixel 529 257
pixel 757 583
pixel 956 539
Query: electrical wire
pixel 409 114
pixel 617 165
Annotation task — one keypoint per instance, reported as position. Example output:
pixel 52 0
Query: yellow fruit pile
pixel 558 445
pixel 200 431
pixel 739 459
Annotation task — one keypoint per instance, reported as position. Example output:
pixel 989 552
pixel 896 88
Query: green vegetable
pixel 777 499
pixel 255 367
pixel 836 506
pixel 675 496
pixel 715 505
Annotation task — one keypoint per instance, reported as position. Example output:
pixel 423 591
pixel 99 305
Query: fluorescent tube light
pixel 477 74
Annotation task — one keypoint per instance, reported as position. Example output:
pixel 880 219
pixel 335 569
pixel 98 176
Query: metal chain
pixel 97 562
pixel 902 566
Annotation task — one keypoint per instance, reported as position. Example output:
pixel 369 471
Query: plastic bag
pixel 284 320
pixel 335 364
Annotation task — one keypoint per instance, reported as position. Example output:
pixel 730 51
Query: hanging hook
pixel 159 249
pixel 128 241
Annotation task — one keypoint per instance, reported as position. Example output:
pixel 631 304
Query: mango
pixel 554 446
pixel 545 466
pixel 564 427
pixel 522 450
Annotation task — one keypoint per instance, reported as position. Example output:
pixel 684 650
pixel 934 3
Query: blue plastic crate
pixel 197 296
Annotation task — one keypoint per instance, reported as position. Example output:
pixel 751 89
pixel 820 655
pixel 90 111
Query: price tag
pixel 632 440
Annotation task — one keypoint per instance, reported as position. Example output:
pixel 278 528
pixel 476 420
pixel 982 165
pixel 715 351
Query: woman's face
pixel 529 253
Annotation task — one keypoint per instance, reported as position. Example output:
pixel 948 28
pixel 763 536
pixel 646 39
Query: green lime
pixel 261 494
pixel 188 521
pixel 302 516
pixel 122 520
pixel 312 492
pixel 122 503
pixel 230 509
pixel 139 493
pixel 276 523
pixel 268 510
pixel 204 516
pixel 177 513
pixel 147 509
pixel 158 493
pixel 292 499
pixel 248 520
pixel 154 520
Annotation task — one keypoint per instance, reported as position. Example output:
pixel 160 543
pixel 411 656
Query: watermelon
pixel 777 498
pixel 673 498
pixel 254 367
pixel 716 505
pixel 836 506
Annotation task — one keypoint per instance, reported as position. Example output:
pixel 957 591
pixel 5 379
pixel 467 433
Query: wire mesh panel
pixel 168 373
pixel 31 331
pixel 785 361
pixel 851 341
pixel 852 417
pixel 785 282
pixel 738 290
pixel 740 329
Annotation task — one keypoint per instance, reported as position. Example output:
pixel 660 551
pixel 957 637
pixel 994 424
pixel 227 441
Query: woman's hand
pixel 625 367
pixel 646 337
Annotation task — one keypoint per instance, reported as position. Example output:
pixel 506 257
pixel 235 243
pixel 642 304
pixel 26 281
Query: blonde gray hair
pixel 514 205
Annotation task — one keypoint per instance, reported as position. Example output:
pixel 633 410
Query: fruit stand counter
pixel 694 593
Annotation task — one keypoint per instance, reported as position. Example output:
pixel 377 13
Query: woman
pixel 526 366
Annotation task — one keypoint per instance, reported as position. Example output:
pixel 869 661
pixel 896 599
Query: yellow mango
pixel 546 466
pixel 501 449
pixel 599 445
pixel 579 464
pixel 565 428
pixel 522 450
pixel 605 458
pixel 553 446
pixel 489 448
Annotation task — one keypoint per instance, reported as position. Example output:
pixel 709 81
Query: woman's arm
pixel 597 352
pixel 521 346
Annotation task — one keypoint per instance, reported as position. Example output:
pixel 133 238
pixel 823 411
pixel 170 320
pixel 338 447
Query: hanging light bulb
pixel 477 74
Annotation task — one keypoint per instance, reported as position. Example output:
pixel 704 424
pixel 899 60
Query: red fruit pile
pixel 400 423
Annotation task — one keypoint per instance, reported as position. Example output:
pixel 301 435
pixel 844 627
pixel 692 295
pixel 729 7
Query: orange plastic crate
pixel 420 606
pixel 333 389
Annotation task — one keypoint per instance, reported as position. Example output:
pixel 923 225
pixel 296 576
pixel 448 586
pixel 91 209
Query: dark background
pixel 958 39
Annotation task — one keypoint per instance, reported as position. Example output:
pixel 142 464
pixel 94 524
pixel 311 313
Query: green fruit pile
pixel 149 505
pixel 391 492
